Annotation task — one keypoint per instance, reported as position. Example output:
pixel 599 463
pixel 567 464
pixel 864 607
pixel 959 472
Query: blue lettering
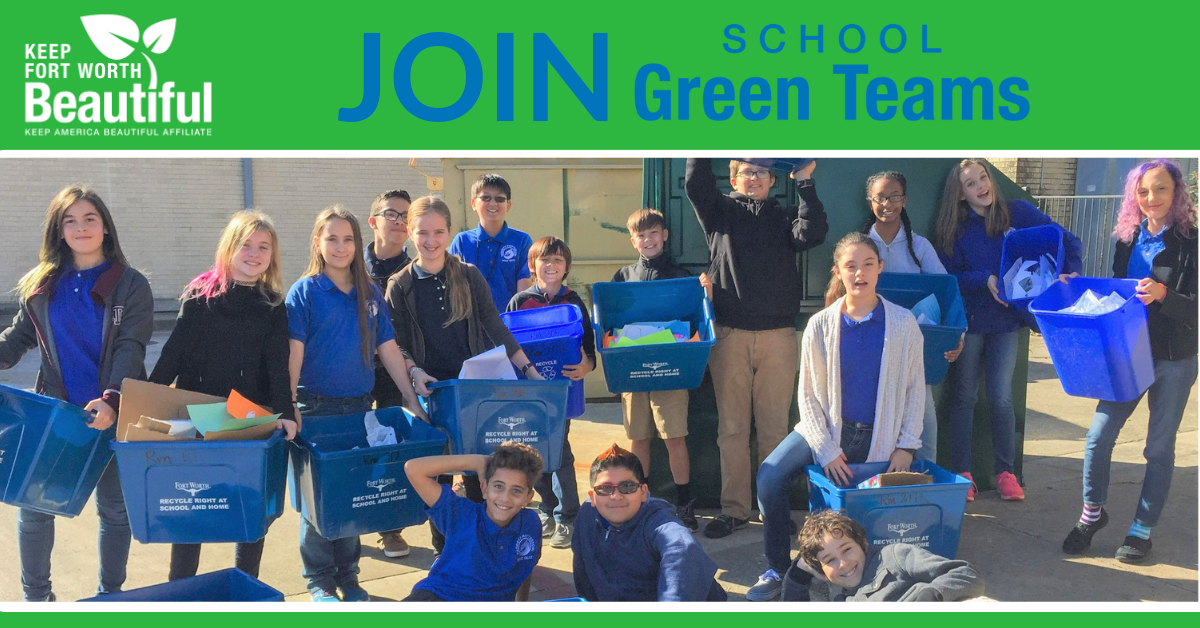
pixel 1022 103
pixel 968 97
pixel 762 38
pixel 883 38
pixel 851 72
pixel 783 85
pixel 402 77
pixel 662 96
pixel 711 98
pixel 504 77
pixel 685 96
pixel 819 38
pixel 748 97
pixel 925 40
pixel 862 38
pixel 545 53
pixel 923 98
pixel 370 98
pixel 881 90
pixel 741 43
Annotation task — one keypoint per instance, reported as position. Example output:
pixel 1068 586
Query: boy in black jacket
pixel 550 263
pixel 753 241
pixel 664 412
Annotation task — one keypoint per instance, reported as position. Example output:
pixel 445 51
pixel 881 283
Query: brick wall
pixel 170 212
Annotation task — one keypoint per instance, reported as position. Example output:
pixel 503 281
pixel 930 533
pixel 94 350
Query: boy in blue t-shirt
pixel 491 548
pixel 500 252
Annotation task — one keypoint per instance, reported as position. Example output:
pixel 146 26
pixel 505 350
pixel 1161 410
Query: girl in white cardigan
pixel 862 397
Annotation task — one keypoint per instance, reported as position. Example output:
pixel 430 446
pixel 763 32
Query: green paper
pixel 658 338
pixel 213 417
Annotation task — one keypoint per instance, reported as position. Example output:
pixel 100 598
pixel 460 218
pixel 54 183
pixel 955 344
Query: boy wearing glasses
pixel 630 547
pixel 500 252
pixel 752 241
pixel 386 255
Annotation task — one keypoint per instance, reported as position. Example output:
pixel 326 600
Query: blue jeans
pixel 35 540
pixel 929 429
pixel 997 353
pixel 1168 396
pixel 778 472
pixel 558 488
pixel 329 563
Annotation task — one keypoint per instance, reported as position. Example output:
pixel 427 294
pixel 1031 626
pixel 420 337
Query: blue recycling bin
pixel 1030 243
pixel 552 337
pixel 906 290
pixel 345 488
pixel 50 460
pixel 1104 356
pixel 480 414
pixel 925 515
pixel 227 585
pixel 678 366
pixel 203 492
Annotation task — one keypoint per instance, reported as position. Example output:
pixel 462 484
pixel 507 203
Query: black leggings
pixel 185 558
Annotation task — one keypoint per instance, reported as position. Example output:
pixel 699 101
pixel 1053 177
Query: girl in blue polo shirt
pixel 1156 244
pixel 91 315
pixel 337 321
pixel 903 251
pixel 971 226
pixel 232 334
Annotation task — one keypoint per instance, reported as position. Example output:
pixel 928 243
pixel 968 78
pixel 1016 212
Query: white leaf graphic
pixel 158 36
pixel 106 32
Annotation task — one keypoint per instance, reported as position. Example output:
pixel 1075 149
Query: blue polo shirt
pixel 1142 258
pixel 77 322
pixel 482 562
pixel 325 319
pixel 503 259
pixel 861 361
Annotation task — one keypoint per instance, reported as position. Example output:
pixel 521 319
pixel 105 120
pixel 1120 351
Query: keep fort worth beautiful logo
pixel 128 110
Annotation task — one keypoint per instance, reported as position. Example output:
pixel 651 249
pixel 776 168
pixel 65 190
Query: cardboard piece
pixel 160 404
pixel 899 478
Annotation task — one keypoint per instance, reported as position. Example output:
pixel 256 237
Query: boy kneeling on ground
pixel 491 548
pixel 629 546
pixel 832 549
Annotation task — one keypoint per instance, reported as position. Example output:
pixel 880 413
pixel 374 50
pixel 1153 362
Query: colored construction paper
pixel 214 417
pixel 240 407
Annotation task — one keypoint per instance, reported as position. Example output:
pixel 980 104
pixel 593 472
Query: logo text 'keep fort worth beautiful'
pixel 52 93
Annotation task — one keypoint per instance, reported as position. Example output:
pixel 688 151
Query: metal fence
pixel 1092 218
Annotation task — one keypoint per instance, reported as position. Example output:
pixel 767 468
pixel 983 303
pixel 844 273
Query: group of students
pixel 372 326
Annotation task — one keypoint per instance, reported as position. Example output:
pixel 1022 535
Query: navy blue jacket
pixel 652 557
pixel 977 257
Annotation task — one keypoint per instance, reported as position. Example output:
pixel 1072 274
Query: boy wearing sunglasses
pixel 630 547
pixel 500 252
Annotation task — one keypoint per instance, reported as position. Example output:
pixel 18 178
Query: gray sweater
pixel 901 572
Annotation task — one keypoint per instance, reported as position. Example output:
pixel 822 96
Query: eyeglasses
pixel 627 487
pixel 392 215
pixel 754 174
pixel 487 198
pixel 894 199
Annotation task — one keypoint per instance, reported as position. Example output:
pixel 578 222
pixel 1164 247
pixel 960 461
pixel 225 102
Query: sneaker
pixel 394 545
pixel 973 490
pixel 1080 537
pixel 548 524
pixel 724 525
pixel 323 595
pixel 1134 550
pixel 688 516
pixel 768 587
pixel 561 539
pixel 49 598
pixel 352 592
pixel 1010 489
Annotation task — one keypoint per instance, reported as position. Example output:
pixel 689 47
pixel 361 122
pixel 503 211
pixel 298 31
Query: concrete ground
pixel 1015 545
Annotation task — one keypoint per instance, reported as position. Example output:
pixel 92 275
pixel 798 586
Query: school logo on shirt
pixel 118 310
pixel 373 308
pixel 525 548
pixel 508 253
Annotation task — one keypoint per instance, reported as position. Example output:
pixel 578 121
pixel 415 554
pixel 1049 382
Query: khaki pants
pixel 754 374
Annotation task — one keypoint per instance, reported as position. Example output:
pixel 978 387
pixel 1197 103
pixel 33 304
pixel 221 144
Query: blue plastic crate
pixel 678 366
pixel 50 460
pixel 1102 357
pixel 203 492
pixel 1030 243
pixel 480 414
pixel 906 290
pixel 227 585
pixel 925 515
pixel 552 337
pixel 346 492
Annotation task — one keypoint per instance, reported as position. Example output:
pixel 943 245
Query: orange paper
pixel 240 407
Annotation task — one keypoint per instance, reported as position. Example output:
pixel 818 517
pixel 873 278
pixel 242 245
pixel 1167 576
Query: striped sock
pixel 1140 531
pixel 1091 514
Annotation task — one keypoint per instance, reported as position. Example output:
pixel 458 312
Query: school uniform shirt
pixel 503 259
pixel 482 562
pixel 1141 258
pixel 78 323
pixel 862 359
pixel 325 319
pixel 380 269
pixel 1173 328
pixel 450 343
pixel 897 259
pixel 647 269
pixel 533 297
pixel 975 257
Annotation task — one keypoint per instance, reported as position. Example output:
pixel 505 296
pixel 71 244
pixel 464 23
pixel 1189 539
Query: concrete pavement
pixel 1015 545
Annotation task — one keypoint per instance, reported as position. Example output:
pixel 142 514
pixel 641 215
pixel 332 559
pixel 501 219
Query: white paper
pixel 1027 279
pixel 1009 275
pixel 924 320
pixel 928 311
pixel 378 434
pixel 491 364
pixel 1093 304
pixel 181 427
